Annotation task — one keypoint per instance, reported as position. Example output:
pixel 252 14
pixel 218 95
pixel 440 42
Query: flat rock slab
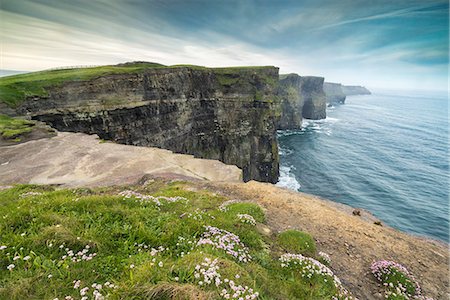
pixel 77 159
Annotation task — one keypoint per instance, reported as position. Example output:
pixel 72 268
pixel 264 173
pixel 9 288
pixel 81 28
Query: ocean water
pixel 386 152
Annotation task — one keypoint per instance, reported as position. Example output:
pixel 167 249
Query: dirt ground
pixel 353 242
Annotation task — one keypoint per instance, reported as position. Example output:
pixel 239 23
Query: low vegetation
pixel 13 128
pixel 400 284
pixel 295 241
pixel 158 241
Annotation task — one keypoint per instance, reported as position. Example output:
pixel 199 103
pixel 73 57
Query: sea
pixel 386 153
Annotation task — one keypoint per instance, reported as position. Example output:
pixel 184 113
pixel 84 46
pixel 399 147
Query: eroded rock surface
pixel 226 114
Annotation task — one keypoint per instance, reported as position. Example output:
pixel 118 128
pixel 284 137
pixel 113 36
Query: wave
pixel 287 178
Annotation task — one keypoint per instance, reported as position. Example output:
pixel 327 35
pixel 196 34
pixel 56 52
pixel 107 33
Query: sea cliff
pixel 336 93
pixel 300 97
pixel 226 114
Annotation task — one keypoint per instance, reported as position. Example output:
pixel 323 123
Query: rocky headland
pixel 336 93
pixel 300 97
pixel 228 114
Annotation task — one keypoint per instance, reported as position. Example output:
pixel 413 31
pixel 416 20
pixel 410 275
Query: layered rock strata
pixel 226 114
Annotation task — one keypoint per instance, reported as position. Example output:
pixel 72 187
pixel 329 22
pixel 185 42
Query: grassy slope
pixel 11 128
pixel 14 89
pixel 37 224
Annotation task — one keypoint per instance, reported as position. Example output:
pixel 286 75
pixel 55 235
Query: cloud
pixel 349 41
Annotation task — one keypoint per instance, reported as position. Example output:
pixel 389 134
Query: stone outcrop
pixel 226 114
pixel 334 93
pixel 300 97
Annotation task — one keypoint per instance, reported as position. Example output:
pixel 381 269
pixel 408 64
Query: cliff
pixel 355 90
pixel 300 97
pixel 226 114
pixel 315 105
pixel 334 93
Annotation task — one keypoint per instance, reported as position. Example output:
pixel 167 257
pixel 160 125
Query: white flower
pixel 3 247
pixel 76 284
pixel 50 276
pixel 160 264
pixel 11 266
pixel 16 257
pixel 176 278
pixel 27 257
pixel 131 266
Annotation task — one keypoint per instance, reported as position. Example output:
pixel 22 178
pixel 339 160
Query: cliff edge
pixel 225 114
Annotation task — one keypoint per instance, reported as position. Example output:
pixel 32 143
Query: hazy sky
pixel 392 43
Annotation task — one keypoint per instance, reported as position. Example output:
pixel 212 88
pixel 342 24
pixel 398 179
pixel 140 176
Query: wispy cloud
pixel 337 39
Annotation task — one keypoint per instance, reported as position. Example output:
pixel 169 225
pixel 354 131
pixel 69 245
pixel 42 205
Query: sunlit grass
pixel 139 242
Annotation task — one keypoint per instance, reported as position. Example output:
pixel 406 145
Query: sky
pixel 383 44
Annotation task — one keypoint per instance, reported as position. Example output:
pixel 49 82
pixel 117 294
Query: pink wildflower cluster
pixel 207 274
pixel 308 267
pixel 246 219
pixel 224 206
pixel 225 240
pixel 82 255
pixel 383 270
pixel 141 198
pixel 95 291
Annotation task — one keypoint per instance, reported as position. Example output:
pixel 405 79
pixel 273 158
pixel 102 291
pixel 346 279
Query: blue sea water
pixel 386 152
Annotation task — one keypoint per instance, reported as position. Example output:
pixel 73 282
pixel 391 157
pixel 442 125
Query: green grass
pixel 299 242
pixel 38 223
pixel 15 89
pixel 12 128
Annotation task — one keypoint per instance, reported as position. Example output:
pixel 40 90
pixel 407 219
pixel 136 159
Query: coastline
pixel 353 242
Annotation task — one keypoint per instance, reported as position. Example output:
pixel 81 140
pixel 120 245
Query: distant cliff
pixel 336 93
pixel 225 113
pixel 355 90
pixel 300 97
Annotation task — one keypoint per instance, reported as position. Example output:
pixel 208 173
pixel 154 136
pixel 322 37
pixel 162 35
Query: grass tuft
pixel 299 242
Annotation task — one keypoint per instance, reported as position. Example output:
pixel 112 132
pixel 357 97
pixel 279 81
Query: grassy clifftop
pixel 160 241
pixel 14 89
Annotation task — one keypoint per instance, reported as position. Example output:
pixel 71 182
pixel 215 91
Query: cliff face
pixel 300 97
pixel 334 93
pixel 315 105
pixel 291 102
pixel 355 90
pixel 225 114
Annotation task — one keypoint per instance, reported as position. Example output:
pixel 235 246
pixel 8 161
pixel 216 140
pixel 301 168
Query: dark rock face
pixel 315 105
pixel 300 97
pixel 224 114
pixel 291 102
pixel 334 93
